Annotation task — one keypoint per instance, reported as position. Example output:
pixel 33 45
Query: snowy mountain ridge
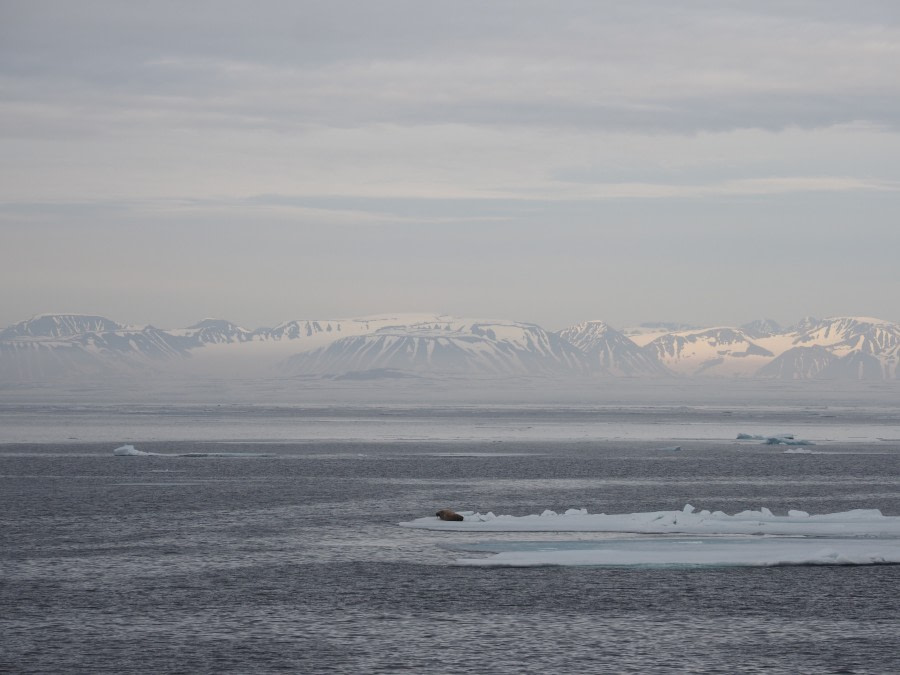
pixel 432 345
pixel 447 346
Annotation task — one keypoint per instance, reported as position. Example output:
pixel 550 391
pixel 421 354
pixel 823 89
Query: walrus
pixel 447 514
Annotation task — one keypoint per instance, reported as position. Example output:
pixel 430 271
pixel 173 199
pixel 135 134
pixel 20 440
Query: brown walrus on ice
pixel 447 514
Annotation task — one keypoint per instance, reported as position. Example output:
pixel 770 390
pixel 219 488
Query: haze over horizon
pixel 693 162
pixel 670 325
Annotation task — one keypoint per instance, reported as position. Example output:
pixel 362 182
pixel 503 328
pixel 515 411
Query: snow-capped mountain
pixel 216 331
pixel 863 347
pixel 32 360
pixel 761 328
pixel 447 346
pixel 52 346
pixel 612 351
pixel 714 351
pixel 845 334
pixel 799 363
pixel 58 326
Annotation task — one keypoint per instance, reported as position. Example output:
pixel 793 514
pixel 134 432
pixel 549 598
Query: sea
pixel 254 539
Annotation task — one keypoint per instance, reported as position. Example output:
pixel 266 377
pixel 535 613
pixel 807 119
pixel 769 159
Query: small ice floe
pixel 482 454
pixel 780 440
pixel 128 451
pixel 799 451
pixel 776 439
pixel 672 448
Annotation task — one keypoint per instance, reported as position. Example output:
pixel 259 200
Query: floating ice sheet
pixel 680 552
pixel 858 522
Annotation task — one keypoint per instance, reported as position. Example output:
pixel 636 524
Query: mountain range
pixel 53 346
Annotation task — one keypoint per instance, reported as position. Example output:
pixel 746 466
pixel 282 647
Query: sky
pixel 701 162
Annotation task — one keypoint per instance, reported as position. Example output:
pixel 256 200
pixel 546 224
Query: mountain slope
pixel 861 347
pixel 52 326
pixel 798 363
pixel 714 351
pixel 761 328
pixel 52 346
pixel 448 347
pixel 611 351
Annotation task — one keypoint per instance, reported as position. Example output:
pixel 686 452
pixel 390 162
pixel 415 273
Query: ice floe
pixel 855 523
pixel 776 439
pixel 680 551
pixel 130 451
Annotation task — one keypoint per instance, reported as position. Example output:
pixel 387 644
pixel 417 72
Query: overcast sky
pixel 707 162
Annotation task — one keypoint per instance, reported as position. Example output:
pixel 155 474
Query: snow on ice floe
pixel 130 451
pixel 680 551
pixel 855 523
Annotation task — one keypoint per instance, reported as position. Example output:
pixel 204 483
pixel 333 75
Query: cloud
pixel 659 67
pixel 636 129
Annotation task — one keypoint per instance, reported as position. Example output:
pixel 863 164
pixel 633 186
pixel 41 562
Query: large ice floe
pixel 695 551
pixel 860 536
pixel 859 522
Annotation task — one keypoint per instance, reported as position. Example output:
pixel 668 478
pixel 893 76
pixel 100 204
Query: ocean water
pixel 269 550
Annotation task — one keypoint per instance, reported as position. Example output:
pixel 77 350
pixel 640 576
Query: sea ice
pixel 697 551
pixel 776 439
pixel 131 451
pixel 855 523
pixel 780 440
pixel 128 451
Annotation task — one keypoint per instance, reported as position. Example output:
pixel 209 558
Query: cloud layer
pixel 311 126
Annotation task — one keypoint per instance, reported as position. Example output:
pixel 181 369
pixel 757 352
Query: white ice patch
pixel 859 522
pixel 128 451
pixel 482 454
pixel 676 552
pixel 131 451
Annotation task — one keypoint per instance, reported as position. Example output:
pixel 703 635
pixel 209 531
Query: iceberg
pixel 694 552
pixel 855 523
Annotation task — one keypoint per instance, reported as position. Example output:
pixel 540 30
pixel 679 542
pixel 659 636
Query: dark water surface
pixel 293 561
